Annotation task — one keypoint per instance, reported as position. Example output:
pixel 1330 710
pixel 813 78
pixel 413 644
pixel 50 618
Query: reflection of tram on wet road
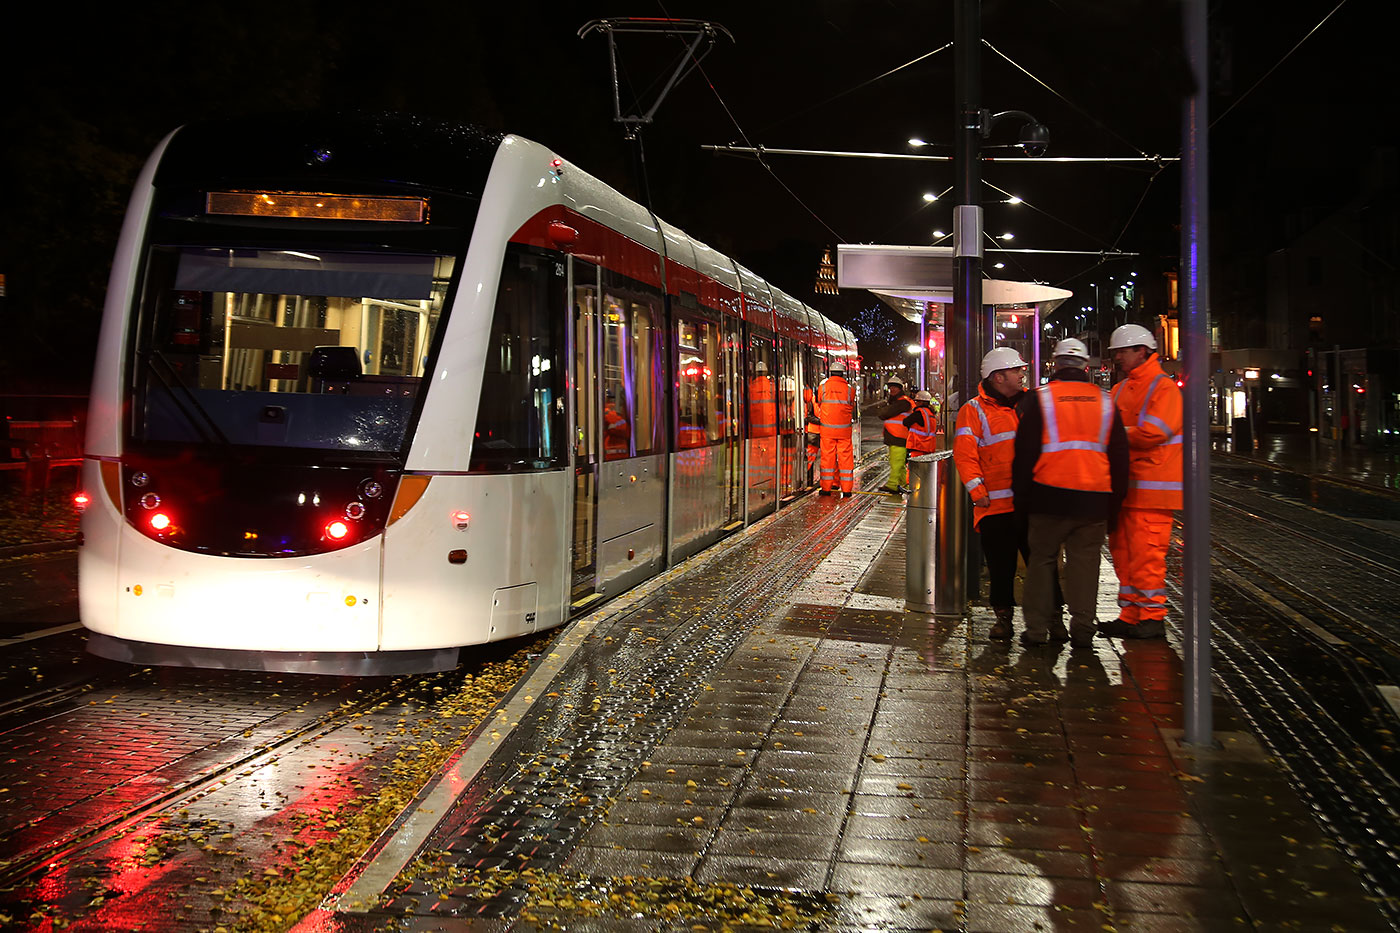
pixel 380 389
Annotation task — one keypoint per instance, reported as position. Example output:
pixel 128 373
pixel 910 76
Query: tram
pixel 370 389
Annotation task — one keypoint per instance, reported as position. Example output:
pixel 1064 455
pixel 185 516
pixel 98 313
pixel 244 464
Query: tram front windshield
pixel 309 349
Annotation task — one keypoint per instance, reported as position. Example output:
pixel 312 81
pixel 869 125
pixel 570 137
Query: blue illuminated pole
pixel 1195 278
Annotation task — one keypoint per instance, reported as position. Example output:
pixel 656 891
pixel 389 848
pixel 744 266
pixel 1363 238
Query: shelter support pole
pixel 962 342
pixel 1195 263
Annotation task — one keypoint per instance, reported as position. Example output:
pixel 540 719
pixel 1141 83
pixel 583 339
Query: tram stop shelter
pixel 909 278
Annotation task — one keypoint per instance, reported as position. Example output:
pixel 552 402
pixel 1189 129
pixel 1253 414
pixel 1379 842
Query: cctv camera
pixel 1035 139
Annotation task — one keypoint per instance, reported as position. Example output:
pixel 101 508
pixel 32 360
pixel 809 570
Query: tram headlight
pixel 461 519
pixel 81 500
pixel 160 521
pixel 337 530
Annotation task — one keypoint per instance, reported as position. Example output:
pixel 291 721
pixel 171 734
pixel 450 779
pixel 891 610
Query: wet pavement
pixel 759 738
pixel 769 737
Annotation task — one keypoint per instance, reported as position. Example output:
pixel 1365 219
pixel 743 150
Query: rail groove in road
pixel 1301 652
pixel 36 856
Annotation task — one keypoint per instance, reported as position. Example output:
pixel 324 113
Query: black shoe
pixel 1028 642
pixel 1122 628
pixel 823 492
pixel 1059 634
pixel 1001 630
pixel 1084 639
pixel 1118 628
pixel 904 490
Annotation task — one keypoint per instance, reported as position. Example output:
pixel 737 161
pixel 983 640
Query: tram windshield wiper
pixel 195 413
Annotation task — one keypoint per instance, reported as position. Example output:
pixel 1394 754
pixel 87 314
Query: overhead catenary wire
pixel 1276 65
pixel 733 119
pixel 1102 242
pixel 864 84
pixel 1139 150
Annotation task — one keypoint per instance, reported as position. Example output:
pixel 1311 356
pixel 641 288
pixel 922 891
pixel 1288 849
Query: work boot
pixel 1081 638
pixel 1118 628
pixel 1001 630
pixel 1058 632
pixel 1147 628
pixel 1028 642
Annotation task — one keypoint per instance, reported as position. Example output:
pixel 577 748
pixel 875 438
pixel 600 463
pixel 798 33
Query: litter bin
pixel 932 579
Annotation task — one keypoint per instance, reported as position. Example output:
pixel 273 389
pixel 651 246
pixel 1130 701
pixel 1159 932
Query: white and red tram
pixel 370 389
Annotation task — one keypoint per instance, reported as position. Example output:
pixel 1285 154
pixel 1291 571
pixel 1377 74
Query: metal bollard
pixel 929 585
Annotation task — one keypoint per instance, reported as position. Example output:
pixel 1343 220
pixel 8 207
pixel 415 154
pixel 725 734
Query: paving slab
pixel 775 730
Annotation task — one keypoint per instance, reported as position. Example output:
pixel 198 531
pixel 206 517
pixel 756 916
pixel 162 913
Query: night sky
pixel 92 87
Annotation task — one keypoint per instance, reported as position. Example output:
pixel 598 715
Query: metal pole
pixel 923 350
pixel 961 336
pixel 1195 261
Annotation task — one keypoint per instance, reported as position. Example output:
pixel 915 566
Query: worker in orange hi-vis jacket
pixel 1149 402
pixel 984 445
pixel 1068 478
pixel 836 405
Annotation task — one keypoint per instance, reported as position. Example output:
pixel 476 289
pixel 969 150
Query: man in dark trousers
pixel 1068 479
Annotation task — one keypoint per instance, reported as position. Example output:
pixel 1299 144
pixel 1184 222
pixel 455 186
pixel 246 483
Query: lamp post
pixel 965 325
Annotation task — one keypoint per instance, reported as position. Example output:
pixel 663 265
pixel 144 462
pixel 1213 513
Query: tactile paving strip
pixel 613 703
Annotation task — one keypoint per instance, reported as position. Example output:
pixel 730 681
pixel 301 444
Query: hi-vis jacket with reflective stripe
pixel 1149 403
pixel 1077 417
pixel 1050 459
pixel 836 401
pixel 923 426
pixel 983 448
pixel 763 407
pixel 893 411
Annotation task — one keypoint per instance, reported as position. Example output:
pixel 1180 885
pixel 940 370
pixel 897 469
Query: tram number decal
pixel 529 618
pixel 559 270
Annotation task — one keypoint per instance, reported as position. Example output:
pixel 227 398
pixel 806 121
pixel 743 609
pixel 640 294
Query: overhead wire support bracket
pixel 698 32
pixel 760 151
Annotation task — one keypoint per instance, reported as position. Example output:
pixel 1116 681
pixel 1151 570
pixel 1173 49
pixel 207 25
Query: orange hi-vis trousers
pixel 838 462
pixel 1139 549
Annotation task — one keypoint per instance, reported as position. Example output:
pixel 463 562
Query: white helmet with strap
pixel 838 367
pixel 1132 335
pixel 1001 358
pixel 1071 347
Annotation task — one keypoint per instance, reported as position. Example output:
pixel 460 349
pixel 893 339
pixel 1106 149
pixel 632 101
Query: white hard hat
pixel 895 381
pixel 760 367
pixel 1071 347
pixel 838 367
pixel 923 396
pixel 1132 335
pixel 1001 358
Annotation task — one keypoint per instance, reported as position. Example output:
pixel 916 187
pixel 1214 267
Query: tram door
pixel 733 436
pixel 587 426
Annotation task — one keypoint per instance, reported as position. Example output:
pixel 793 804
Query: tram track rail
pixel 14 710
pixel 1306 671
pixel 90 833
pixel 1355 797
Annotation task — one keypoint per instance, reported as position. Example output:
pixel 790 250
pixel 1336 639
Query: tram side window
pixel 787 386
pixel 763 413
pixel 633 368
pixel 520 421
pixel 698 396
